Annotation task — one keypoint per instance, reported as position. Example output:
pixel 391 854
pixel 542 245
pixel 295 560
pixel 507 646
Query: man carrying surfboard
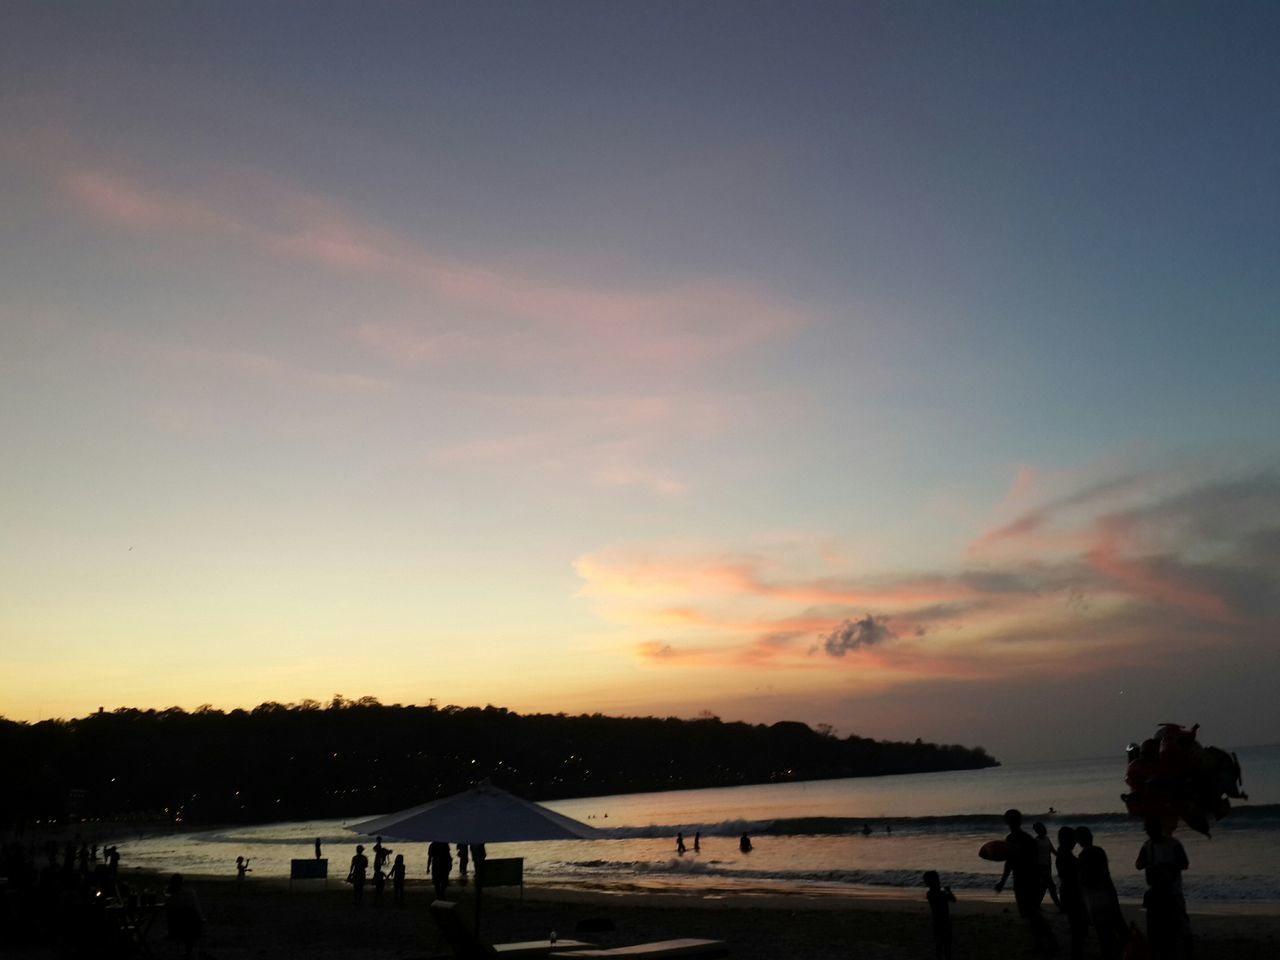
pixel 1022 862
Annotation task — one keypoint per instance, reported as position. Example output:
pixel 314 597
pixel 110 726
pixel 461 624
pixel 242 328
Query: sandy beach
pixel 267 919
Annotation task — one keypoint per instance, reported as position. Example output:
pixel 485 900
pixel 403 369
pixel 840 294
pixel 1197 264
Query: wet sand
pixel 267 919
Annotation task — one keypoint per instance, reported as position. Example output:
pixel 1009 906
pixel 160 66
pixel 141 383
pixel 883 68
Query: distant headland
pixel 353 757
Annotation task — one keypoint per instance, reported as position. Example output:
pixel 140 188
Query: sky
pixel 908 368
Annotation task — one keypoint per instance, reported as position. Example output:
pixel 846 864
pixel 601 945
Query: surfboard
pixel 996 850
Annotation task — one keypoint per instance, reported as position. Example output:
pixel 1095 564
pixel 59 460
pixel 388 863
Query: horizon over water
pixel 808 839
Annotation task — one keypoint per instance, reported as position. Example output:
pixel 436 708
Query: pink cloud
pixel 514 316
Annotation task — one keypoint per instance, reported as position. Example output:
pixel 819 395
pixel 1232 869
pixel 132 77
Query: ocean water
pixel 807 837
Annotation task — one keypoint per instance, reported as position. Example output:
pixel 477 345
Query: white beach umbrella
pixel 483 814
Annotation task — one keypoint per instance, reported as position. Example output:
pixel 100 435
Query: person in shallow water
pixel 745 844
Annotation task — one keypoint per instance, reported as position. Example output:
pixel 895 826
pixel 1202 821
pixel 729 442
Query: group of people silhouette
pixel 439 866
pixel 1086 893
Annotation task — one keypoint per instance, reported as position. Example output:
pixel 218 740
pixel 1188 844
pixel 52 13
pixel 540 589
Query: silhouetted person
pixel 1163 859
pixel 697 841
pixel 1071 896
pixel 1044 859
pixel 462 862
pixel 1027 889
pixel 113 861
pixel 866 829
pixel 355 876
pixel 478 854
pixel 940 899
pixel 380 854
pixel 379 881
pixel 680 848
pixel 397 878
pixel 242 867
pixel 183 915
pixel 440 860
pixel 317 848
pixel 744 844
pixel 1100 895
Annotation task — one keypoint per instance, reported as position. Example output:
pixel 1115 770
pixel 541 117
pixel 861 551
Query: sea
pixel 810 838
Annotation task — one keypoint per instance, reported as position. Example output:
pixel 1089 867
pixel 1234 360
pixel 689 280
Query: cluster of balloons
pixel 1173 777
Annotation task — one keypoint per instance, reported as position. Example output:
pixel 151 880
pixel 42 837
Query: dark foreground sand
pixel 269 921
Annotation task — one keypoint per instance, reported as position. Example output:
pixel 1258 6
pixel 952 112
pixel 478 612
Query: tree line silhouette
pixel 355 757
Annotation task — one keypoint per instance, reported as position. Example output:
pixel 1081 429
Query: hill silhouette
pixel 354 757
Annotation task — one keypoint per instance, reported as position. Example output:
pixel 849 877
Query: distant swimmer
pixel 745 843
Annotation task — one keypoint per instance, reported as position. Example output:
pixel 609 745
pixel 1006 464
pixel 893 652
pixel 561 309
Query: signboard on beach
pixel 508 872
pixel 308 870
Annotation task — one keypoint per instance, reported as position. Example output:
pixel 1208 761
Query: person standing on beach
pixel 680 847
pixel 1021 862
pixel 940 899
pixel 380 854
pixel 1163 859
pixel 397 878
pixel 697 841
pixel 317 848
pixel 1100 896
pixel 183 914
pixel 242 867
pixel 1070 895
pixel 462 862
pixel 355 876
pixel 440 860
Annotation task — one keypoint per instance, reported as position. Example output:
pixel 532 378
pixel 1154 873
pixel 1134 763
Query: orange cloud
pixel 1138 580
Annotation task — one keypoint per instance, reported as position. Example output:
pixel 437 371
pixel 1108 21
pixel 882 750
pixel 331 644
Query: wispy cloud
pixel 1170 567
pixel 493 309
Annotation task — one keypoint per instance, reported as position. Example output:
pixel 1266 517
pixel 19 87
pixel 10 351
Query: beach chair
pixel 685 948
pixel 467 946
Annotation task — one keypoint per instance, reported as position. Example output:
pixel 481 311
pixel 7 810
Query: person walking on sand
pixel 242 867
pixel 317 848
pixel 1027 891
pixel 680 847
pixel 940 899
pixel 1072 898
pixel 1044 858
pixel 697 841
pixel 1100 897
pixel 355 876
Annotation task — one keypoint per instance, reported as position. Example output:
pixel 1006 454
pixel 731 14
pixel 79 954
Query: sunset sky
pixel 910 368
